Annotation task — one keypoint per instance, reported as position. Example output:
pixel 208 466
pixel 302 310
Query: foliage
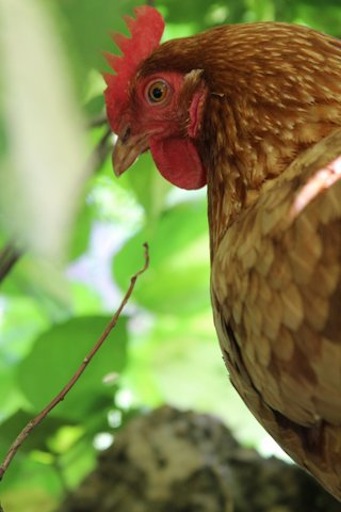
pixel 166 349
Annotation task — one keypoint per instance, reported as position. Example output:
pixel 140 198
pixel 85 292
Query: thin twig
pixel 8 257
pixel 101 151
pixel 97 121
pixel 61 395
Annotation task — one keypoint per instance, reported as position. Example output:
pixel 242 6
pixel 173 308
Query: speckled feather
pixel 277 309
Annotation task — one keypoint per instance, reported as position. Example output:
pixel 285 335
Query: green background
pixel 164 348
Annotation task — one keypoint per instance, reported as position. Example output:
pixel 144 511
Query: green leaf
pixel 37 440
pixel 22 320
pixel 90 24
pixel 37 279
pixel 149 187
pixel 78 462
pixel 57 354
pixel 177 280
pixel 30 485
pixel 10 398
pixel 82 230
pixel 31 496
pixel 95 106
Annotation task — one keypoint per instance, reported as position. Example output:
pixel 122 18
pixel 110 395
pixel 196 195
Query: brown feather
pixel 283 348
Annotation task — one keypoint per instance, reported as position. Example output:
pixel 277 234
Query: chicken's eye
pixel 157 91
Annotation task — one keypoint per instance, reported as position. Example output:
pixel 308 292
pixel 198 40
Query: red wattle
pixel 178 162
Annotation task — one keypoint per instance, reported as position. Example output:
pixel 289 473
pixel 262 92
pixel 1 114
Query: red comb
pixel 146 31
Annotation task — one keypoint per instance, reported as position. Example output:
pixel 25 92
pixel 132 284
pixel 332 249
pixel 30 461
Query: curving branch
pixel 101 151
pixel 9 255
pixel 97 121
pixel 87 359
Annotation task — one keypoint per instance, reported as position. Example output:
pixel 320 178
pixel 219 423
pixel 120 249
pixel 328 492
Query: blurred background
pixel 71 236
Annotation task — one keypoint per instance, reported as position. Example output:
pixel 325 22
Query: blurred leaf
pixel 327 20
pixel 179 362
pixel 86 300
pixel 45 167
pixel 95 106
pixel 58 353
pixel 10 398
pixel 149 187
pixel 29 499
pixel 21 320
pixel 90 24
pixel 82 230
pixel 177 280
pixel 37 279
pixel 37 440
pixel 78 462
pixel 196 11
pixel 29 477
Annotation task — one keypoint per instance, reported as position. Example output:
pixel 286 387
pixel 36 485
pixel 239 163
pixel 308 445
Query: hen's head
pixel 161 111
pixel 232 106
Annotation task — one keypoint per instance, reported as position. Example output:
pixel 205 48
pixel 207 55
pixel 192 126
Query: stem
pixel 97 121
pixel 61 395
pixel 8 258
pixel 101 151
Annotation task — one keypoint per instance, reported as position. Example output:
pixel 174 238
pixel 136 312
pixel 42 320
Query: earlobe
pixel 196 112
pixel 194 76
pixel 195 92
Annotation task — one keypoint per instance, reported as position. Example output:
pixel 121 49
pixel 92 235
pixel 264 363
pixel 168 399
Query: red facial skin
pixel 166 126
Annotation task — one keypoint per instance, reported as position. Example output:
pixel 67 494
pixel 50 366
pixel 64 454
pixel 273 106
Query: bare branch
pixel 9 255
pixel 101 151
pixel 61 395
pixel 97 121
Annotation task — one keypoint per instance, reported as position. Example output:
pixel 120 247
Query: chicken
pixel 254 112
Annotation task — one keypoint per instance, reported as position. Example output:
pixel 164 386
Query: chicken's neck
pixel 227 198
pixel 244 150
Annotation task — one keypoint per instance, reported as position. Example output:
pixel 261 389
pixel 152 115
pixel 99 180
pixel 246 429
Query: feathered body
pixel 254 111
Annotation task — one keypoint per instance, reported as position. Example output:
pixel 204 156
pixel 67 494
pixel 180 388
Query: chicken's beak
pixel 127 149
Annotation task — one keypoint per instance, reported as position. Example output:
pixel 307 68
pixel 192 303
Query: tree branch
pixel 97 121
pixel 61 395
pixel 8 257
pixel 101 151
